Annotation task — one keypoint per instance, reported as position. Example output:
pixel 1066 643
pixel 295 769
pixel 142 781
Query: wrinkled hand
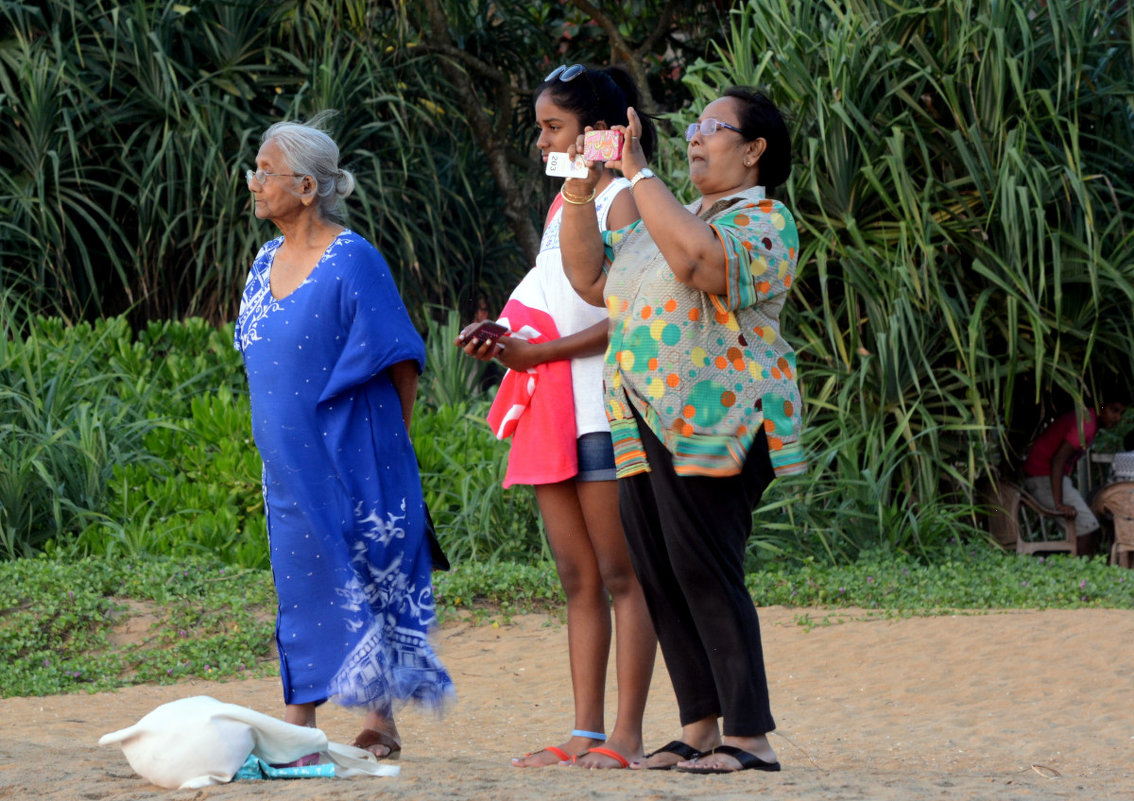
pixel 633 157
pixel 581 187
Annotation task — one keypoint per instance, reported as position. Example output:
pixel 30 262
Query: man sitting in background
pixel 1054 455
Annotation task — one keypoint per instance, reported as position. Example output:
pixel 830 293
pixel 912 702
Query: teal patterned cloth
pixel 255 768
pixel 705 372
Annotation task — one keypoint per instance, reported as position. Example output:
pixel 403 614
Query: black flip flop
pixel 747 761
pixel 683 750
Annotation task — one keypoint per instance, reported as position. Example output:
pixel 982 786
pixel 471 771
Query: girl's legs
pixel 588 613
pixel 636 644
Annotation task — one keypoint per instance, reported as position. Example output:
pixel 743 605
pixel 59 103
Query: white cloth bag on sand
pixel 199 741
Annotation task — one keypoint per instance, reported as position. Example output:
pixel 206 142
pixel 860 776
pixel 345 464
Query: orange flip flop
pixel 554 751
pixel 622 761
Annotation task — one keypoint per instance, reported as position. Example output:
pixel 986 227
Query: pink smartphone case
pixel 602 145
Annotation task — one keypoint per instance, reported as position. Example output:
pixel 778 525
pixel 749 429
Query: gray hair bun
pixel 309 150
pixel 344 183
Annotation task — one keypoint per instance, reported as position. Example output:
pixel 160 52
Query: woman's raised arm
pixel 580 241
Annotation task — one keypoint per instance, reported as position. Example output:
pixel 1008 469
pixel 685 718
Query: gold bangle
pixel 575 200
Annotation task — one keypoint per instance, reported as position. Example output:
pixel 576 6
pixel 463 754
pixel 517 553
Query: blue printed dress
pixel 342 495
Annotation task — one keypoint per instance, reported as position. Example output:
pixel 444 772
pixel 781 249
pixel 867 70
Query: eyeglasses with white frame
pixel 707 127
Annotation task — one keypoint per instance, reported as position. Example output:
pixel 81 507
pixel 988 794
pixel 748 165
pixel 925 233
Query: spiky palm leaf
pixel 963 190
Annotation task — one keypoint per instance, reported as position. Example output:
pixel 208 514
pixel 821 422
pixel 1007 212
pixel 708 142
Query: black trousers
pixel 687 536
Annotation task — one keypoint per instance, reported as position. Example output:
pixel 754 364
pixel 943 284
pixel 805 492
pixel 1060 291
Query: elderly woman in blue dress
pixel 333 363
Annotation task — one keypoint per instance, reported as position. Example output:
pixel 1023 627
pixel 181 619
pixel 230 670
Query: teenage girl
pixel 569 461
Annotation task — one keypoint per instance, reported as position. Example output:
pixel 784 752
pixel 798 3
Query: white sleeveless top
pixel 573 314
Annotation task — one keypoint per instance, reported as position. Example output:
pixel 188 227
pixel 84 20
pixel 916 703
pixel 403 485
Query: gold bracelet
pixel 575 200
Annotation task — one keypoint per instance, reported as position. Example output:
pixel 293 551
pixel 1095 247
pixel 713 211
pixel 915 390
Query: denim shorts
pixel 596 457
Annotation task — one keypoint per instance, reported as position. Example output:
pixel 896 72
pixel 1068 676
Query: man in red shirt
pixel 1052 458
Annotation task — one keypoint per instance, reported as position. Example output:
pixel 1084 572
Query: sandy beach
pixel 1016 705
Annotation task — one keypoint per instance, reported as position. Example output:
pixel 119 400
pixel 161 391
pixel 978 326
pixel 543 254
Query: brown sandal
pixel 371 737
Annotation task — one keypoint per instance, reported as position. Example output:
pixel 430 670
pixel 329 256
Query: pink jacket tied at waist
pixel 535 408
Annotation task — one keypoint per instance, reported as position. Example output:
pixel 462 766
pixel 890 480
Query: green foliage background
pixel 124 443
pixel 126 128
pixel 966 206
pixel 962 183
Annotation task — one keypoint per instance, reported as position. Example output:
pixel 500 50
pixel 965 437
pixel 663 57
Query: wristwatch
pixel 645 172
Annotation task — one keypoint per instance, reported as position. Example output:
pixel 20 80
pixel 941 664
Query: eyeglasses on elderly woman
pixel 261 176
pixel 707 127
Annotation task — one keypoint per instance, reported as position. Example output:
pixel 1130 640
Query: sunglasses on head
pixel 565 73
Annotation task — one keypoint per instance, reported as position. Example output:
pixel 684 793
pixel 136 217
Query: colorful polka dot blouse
pixel 705 372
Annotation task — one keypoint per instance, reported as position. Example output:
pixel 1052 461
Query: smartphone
pixel 602 145
pixel 560 166
pixel 485 330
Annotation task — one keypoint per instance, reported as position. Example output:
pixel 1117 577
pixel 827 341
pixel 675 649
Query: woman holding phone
pixel 702 395
pixel 550 403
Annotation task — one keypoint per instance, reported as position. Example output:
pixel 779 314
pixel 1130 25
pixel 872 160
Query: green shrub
pixel 127 444
pixel 59 619
pixel 493 585
pixel 462 464
pixel 91 427
pixel 68 416
pixel 462 469
pixel 202 495
pixel 964 576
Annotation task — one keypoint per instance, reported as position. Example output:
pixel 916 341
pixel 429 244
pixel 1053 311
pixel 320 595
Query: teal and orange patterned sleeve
pixel 761 245
pixel 612 243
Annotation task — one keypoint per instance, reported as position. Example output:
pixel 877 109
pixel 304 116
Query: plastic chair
pixel 1117 501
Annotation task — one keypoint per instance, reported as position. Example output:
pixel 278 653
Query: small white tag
pixel 559 166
